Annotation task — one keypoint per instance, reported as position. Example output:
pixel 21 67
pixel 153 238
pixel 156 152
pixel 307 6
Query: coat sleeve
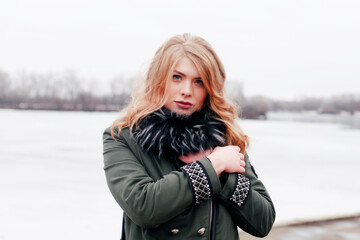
pixel 148 202
pixel 248 201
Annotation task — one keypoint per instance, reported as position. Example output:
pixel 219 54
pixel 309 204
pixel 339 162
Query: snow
pixel 52 185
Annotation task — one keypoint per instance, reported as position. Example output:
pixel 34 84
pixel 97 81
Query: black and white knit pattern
pixel 241 190
pixel 168 134
pixel 199 181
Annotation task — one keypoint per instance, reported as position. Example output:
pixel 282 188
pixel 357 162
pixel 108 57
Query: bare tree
pixel 120 89
pixel 235 91
pixel 4 87
pixel 256 107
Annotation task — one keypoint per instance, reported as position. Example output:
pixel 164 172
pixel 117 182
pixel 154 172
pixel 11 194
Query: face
pixel 186 92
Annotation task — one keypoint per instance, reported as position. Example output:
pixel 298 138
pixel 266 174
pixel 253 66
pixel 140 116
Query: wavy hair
pixel 150 94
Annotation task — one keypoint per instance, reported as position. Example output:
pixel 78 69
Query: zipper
pixel 211 218
pixel 213 215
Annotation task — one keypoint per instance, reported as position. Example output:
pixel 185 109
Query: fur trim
pixel 168 134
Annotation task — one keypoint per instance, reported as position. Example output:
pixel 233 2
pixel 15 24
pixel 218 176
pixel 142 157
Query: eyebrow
pixel 182 74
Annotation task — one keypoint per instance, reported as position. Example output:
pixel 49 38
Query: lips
pixel 183 104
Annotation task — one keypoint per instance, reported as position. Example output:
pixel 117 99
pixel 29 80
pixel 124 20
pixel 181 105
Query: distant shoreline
pixel 343 118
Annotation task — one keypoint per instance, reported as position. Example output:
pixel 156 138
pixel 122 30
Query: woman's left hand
pixel 192 157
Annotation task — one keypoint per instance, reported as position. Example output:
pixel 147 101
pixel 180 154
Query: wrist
pixel 217 165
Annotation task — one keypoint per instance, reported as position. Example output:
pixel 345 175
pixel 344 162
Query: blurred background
pixel 68 67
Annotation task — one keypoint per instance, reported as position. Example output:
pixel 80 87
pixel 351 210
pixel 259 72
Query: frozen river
pixel 52 185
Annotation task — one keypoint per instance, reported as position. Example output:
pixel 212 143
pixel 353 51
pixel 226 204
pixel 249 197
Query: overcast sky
pixel 281 49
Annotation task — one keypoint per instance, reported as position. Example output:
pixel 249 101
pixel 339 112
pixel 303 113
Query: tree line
pixel 258 106
pixel 68 91
pixel 62 91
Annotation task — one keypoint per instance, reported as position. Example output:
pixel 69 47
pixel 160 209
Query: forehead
pixel 187 67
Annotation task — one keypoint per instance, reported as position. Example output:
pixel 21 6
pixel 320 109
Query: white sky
pixel 281 49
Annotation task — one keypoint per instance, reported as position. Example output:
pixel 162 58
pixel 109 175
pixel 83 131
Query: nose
pixel 186 88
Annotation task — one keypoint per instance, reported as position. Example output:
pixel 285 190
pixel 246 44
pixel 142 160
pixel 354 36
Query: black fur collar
pixel 168 134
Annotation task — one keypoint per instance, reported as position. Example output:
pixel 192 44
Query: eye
pixel 176 77
pixel 200 82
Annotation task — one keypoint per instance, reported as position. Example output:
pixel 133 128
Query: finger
pixel 240 156
pixel 242 163
pixel 237 148
pixel 242 170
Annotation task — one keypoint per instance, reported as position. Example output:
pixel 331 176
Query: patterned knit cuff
pixel 199 181
pixel 241 191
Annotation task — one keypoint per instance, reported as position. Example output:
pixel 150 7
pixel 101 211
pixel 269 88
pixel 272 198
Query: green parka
pixel 158 201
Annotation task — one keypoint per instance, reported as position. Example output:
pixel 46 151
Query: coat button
pixel 201 231
pixel 175 231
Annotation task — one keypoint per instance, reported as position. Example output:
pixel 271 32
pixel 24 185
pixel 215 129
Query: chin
pixel 185 112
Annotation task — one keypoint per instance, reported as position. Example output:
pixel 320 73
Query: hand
pixel 227 159
pixel 192 157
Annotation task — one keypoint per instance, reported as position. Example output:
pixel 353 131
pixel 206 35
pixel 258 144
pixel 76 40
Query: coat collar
pixel 166 133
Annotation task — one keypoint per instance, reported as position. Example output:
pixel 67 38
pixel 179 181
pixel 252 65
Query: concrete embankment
pixel 339 228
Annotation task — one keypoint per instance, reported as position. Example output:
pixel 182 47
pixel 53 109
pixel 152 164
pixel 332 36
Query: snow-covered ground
pixel 52 185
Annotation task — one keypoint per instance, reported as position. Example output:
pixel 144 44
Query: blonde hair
pixel 151 95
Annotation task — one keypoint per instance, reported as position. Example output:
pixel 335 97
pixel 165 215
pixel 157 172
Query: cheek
pixel 169 94
pixel 172 88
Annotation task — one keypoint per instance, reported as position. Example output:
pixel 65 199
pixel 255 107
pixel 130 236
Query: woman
pixel 175 161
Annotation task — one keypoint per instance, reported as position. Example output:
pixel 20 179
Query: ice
pixel 52 183
pixel 310 169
